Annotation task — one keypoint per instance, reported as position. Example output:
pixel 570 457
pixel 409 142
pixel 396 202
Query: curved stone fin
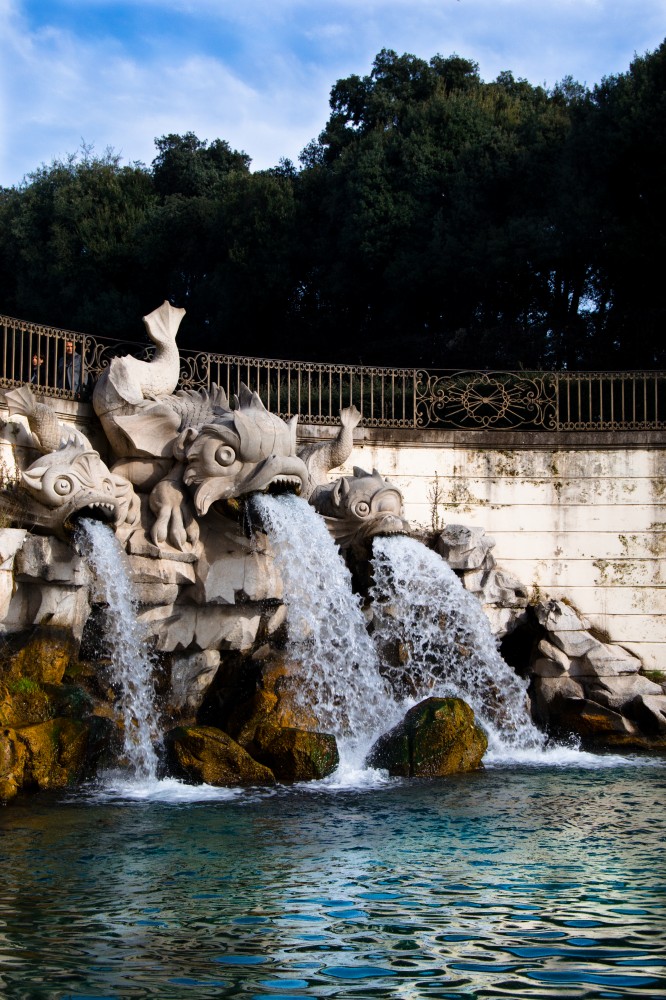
pixel 152 432
pixel 120 377
pixel 21 401
pixel 162 323
pixel 248 399
pixel 48 433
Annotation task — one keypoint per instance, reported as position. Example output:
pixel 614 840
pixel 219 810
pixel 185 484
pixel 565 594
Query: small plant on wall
pixel 435 498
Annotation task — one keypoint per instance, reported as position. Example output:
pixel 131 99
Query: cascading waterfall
pixel 444 640
pixel 445 643
pixel 131 659
pixel 327 628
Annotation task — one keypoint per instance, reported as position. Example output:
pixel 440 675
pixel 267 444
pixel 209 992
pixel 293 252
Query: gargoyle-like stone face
pixel 359 508
pixel 74 482
pixel 247 449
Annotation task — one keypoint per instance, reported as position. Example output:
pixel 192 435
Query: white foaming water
pixel 114 786
pixel 446 644
pixel 327 630
pixel 131 660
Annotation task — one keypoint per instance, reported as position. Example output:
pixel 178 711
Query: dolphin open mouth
pixel 94 510
pixel 278 474
pixel 285 484
pixel 389 524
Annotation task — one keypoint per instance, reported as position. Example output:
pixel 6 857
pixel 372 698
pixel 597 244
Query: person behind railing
pixel 37 376
pixel 70 370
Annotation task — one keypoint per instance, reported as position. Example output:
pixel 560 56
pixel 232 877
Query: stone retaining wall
pixel 575 516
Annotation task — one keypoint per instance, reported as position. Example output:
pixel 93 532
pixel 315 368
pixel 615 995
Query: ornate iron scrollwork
pixel 386 397
pixel 497 400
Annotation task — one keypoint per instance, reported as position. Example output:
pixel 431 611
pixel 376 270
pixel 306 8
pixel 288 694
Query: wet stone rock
pixel 191 676
pixel 295 754
pixel 206 755
pixel 437 737
pixel 53 754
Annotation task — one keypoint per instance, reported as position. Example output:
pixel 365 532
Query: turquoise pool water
pixel 515 881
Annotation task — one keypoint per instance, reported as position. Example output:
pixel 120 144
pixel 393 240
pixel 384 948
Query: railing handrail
pixel 490 399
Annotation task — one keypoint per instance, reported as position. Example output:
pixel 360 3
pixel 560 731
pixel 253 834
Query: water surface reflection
pixel 510 882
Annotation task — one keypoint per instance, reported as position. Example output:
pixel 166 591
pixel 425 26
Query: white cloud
pixel 266 91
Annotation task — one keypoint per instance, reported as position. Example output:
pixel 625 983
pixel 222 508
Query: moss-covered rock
pixel 438 736
pixel 42 656
pixel 276 702
pixel 52 754
pixel 26 702
pixel 295 754
pixel 204 754
pixel 12 764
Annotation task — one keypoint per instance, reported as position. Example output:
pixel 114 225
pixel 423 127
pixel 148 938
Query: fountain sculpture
pixel 266 665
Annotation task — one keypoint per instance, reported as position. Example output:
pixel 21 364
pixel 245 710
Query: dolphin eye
pixel 362 508
pixel 62 486
pixel 225 455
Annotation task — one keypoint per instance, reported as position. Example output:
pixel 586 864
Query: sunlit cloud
pixel 259 74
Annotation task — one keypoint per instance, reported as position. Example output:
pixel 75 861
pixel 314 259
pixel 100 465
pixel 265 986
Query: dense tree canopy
pixel 437 220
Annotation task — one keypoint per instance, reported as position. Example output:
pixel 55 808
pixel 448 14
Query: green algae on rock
pixel 439 736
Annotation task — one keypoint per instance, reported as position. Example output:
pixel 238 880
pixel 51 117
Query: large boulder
pixel 295 754
pixel 53 754
pixel 438 736
pixel 42 656
pixel 204 754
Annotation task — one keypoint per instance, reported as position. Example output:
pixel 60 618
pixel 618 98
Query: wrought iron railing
pixel 386 397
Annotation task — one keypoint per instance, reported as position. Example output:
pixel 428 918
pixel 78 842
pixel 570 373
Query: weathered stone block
pixel 55 605
pixel 11 540
pixel 552 662
pixel 556 616
pixel 223 573
pixel 503 620
pixel 178 627
pixel 6 593
pixel 503 588
pixel 618 692
pixel 575 644
pixel 464 547
pixel 603 660
pixel 549 694
pixel 650 712
pixel 47 559
pixel 155 594
pixel 169 572
pixel 191 677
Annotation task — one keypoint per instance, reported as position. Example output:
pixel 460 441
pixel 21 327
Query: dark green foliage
pixel 437 220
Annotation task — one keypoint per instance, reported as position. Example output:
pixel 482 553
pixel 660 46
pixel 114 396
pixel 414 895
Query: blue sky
pixel 258 73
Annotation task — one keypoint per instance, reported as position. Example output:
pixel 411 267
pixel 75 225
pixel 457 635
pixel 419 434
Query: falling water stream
pixel 131 661
pixel 419 605
pixel 327 629
pixel 447 645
